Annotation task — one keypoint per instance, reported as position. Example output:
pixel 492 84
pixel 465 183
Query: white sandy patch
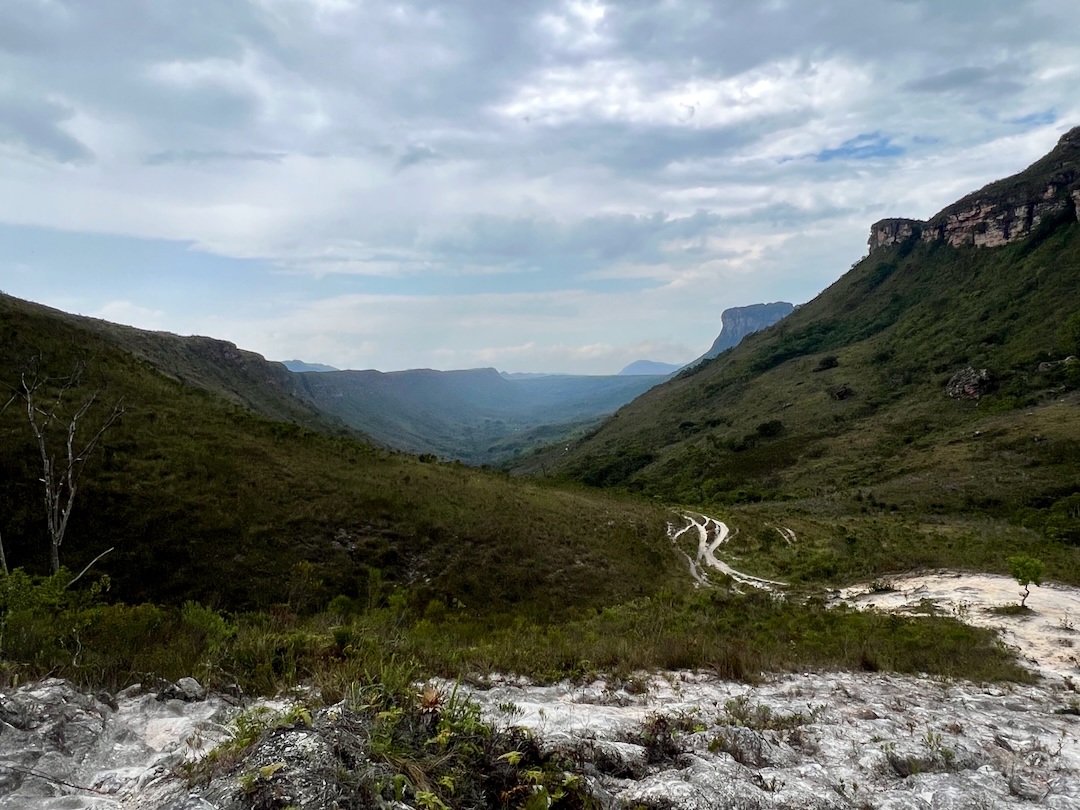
pixel 1047 639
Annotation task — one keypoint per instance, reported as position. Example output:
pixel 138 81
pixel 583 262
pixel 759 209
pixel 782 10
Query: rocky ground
pixel 835 740
pixel 686 740
pixel 1045 636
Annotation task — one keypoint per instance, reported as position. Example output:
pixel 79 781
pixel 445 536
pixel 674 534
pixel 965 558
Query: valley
pixel 637 607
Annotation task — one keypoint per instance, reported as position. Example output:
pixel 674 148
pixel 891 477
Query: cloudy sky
pixel 530 185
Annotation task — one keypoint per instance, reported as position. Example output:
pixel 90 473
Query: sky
pixel 538 186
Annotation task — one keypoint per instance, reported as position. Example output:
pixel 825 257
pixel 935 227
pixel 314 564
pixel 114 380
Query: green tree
pixel 1027 571
pixel 1069 333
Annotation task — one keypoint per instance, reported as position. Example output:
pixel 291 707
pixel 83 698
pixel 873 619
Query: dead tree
pixel 59 419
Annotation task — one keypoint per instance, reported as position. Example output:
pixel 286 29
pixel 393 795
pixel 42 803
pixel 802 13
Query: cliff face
pixel 893 231
pixel 738 322
pixel 1001 212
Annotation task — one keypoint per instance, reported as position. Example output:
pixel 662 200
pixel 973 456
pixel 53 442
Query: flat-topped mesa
pixel 1003 211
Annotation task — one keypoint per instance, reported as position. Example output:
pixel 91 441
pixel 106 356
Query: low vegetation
pixel 46 628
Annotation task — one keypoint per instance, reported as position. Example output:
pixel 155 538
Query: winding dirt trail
pixel 1047 639
pixel 713 533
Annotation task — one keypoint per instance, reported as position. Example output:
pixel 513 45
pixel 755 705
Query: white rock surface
pixel 1047 639
pixel 839 740
pixel 60 748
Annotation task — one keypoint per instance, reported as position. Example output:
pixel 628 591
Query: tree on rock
pixel 1027 571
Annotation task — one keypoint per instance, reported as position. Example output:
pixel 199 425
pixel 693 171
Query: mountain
pixel 738 322
pixel 300 365
pixel 936 377
pixel 220 484
pixel 648 367
pixel 476 415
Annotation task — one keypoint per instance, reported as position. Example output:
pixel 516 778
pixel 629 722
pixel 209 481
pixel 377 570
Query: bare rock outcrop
pixel 969 383
pixel 676 740
pixel 1001 212
pixel 888 232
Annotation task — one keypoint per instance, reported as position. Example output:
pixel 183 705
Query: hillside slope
pixel 849 396
pixel 204 498
pixel 215 366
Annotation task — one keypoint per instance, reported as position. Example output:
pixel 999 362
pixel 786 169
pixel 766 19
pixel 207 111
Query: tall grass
pixel 736 636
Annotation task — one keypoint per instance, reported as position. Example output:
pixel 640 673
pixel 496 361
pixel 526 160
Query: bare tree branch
pixel 3 556
pixel 48 413
pixel 88 566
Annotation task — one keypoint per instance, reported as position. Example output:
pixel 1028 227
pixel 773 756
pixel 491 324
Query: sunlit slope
pixel 848 392
pixel 203 498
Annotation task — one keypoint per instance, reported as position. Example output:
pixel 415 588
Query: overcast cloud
pixel 537 186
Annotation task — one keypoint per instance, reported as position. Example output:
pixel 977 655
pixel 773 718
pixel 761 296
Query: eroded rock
pixel 969 383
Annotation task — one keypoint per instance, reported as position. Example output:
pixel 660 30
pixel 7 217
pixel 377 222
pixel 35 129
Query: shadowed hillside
pixel 207 493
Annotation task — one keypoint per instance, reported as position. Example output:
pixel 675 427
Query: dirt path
pixel 711 534
pixel 1047 639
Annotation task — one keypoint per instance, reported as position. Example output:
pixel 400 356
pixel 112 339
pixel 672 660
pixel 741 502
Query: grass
pixel 741 637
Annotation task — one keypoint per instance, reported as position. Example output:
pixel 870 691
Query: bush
pixel 1026 571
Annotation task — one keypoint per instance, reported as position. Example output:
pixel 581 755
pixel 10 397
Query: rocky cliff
pixel 1003 211
pixel 738 322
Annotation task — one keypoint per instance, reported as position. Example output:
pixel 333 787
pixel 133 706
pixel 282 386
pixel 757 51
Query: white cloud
pixel 573 180
pixel 629 91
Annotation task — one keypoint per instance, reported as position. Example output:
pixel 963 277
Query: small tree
pixel 1027 571
pixel 66 433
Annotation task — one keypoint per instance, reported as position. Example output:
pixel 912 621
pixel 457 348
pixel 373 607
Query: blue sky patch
pixel 862 147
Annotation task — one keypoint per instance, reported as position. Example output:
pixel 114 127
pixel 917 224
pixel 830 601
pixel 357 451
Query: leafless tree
pixel 3 556
pixel 61 419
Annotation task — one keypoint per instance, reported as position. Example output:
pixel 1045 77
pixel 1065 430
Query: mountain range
pixel 476 415
pixel 482 416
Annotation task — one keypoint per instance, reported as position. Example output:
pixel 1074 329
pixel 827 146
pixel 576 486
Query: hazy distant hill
pixel 738 322
pixel 472 415
pixel 300 365
pixel 648 367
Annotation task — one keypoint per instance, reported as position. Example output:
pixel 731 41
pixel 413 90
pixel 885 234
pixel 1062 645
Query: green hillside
pixel 843 405
pixel 218 485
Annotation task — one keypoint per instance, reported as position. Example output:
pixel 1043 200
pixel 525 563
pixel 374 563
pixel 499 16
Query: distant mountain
pixel 300 365
pixel 738 322
pixel 648 368
pixel 472 415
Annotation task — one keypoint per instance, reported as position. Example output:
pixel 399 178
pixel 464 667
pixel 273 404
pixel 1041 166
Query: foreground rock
pixel 809 741
pixel 675 740
pixel 60 748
